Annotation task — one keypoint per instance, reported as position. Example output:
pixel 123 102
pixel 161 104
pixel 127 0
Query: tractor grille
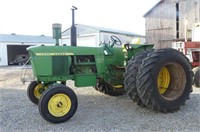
pixel 60 65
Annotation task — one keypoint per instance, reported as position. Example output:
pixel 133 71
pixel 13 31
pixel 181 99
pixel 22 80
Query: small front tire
pixel 34 91
pixel 58 104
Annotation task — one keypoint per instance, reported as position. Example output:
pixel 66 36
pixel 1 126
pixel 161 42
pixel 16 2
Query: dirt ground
pixel 96 111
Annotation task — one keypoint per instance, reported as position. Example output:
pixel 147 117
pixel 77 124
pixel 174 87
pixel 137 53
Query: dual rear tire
pixel 131 75
pixel 160 80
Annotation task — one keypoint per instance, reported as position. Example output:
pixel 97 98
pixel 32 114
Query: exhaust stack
pixel 73 28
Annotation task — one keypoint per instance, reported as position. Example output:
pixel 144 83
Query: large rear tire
pixel 131 74
pixel 164 82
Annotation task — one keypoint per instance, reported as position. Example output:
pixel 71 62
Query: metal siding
pixel 86 41
pixel 160 22
pixel 82 40
pixel 7 38
pixel 3 55
pixel 66 41
pixel 86 29
pixel 92 36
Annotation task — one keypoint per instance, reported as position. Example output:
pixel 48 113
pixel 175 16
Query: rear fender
pixel 133 49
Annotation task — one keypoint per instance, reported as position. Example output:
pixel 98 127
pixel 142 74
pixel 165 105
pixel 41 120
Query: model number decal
pixel 54 54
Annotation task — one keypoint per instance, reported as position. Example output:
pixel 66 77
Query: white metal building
pixel 93 36
pixel 12 45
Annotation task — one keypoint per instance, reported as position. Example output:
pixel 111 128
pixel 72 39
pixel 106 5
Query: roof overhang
pixel 152 8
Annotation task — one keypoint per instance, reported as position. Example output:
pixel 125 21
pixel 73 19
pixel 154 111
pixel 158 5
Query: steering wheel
pixel 115 40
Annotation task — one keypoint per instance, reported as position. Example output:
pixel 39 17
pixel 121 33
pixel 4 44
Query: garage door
pixel 16 53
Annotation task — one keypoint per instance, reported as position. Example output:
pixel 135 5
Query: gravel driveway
pixel 96 111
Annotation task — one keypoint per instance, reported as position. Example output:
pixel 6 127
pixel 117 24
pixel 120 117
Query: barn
pixel 92 36
pixel 12 46
pixel 171 20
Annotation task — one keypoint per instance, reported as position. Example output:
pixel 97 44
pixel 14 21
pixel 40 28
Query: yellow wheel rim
pixel 118 86
pixel 59 105
pixel 163 80
pixel 38 90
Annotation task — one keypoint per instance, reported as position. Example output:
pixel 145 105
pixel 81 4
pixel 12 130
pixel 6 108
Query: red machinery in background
pixel 192 51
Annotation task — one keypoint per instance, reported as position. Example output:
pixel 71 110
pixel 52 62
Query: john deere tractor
pixel 158 79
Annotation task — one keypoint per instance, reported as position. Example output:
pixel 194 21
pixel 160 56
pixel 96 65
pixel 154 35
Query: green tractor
pixel 160 79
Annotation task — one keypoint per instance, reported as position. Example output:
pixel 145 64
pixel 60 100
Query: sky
pixel 35 17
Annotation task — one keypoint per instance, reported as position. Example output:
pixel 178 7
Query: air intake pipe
pixel 57 34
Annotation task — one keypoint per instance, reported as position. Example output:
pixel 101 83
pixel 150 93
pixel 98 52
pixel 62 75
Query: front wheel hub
pixel 171 81
pixel 163 80
pixel 59 105
pixel 38 90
